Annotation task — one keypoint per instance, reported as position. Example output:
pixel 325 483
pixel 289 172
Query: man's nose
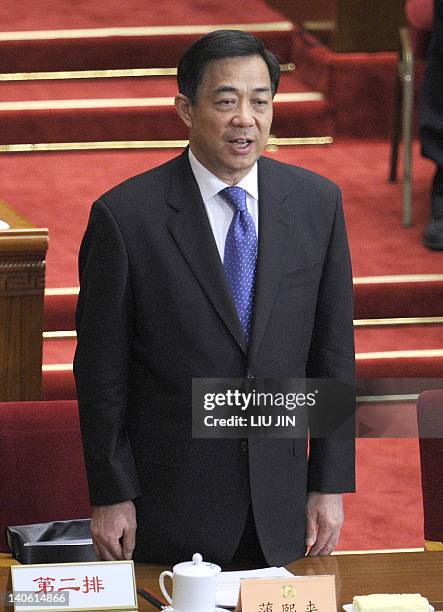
pixel 244 115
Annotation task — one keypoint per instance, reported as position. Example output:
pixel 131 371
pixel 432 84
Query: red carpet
pixel 117 49
pixel 138 122
pixel 386 511
pixel 409 337
pixel 404 296
pixel 128 87
pixel 91 50
pixel 48 15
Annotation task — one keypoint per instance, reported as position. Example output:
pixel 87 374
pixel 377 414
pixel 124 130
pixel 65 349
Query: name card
pixel 101 585
pixel 295 594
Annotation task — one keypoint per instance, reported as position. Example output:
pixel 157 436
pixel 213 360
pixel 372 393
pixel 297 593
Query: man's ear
pixel 183 107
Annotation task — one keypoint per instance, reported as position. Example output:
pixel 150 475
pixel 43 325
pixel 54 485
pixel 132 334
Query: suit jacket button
pixel 244 445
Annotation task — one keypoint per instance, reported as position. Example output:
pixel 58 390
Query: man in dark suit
pixel 431 125
pixel 217 264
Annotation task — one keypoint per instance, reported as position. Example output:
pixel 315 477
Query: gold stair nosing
pixel 397 278
pixel 407 354
pixel 389 278
pixel 80 103
pixel 174 30
pixel 272 145
pixel 102 73
pixel 65 334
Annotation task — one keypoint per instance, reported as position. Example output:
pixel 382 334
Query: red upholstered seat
pixel 41 459
pixel 430 427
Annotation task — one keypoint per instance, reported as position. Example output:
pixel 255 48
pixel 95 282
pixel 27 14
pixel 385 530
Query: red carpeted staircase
pixel 398 283
pixel 110 109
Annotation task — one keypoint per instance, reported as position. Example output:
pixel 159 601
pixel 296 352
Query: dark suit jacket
pixel 155 311
pixel 431 95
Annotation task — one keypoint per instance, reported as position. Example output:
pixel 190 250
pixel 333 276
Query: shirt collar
pixel 210 185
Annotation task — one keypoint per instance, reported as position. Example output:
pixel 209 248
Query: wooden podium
pixel 22 283
pixel 348 25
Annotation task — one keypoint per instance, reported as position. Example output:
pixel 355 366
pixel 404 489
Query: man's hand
pixel 113 531
pixel 324 514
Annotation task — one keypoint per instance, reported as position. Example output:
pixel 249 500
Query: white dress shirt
pixel 218 210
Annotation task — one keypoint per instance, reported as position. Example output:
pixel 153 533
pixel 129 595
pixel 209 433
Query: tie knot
pixel 236 197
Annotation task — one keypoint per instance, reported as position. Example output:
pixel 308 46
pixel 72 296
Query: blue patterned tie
pixel 240 256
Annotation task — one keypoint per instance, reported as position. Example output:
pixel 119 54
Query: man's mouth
pixel 240 144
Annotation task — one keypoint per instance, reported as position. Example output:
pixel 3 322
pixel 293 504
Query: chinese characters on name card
pixel 96 585
pixel 297 594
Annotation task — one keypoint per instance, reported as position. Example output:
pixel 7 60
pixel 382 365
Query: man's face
pixel 230 120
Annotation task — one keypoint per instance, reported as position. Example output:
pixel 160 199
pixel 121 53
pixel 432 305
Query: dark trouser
pixel 249 554
pixel 437 194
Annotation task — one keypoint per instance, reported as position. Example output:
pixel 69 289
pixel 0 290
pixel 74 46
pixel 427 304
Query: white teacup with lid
pixel 194 584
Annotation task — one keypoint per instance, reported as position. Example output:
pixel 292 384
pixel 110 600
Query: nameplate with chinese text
pixel 99 585
pixel 295 594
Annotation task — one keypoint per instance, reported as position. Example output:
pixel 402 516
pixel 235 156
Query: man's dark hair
pixel 220 45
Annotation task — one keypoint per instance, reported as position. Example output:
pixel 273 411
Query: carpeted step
pixel 96 13
pixel 407 351
pixel 398 296
pixel 370 343
pixel 400 351
pixel 120 47
pixel 398 338
pixel 133 109
pixel 402 297
pixel 359 85
pixel 144 87
pixel 58 350
pixel 131 120
pixel 58 379
pixel 400 364
pixel 58 382
pixel 59 309
pixel 135 33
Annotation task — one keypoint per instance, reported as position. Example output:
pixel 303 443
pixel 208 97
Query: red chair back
pixel 430 428
pixel 41 461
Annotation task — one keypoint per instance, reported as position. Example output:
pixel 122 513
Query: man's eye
pixel 261 103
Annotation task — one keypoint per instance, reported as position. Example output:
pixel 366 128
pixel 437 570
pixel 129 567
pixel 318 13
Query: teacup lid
pixel 196 567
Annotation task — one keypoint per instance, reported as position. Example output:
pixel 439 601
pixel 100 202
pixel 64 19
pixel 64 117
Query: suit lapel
pixel 192 232
pixel 274 225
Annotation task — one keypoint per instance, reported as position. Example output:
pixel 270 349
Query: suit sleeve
pixel 331 467
pixel 101 365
